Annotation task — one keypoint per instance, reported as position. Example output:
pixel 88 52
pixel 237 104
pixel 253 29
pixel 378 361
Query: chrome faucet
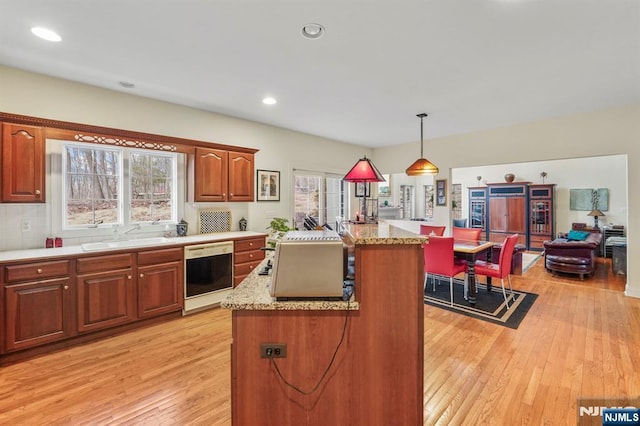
pixel 131 229
pixel 117 234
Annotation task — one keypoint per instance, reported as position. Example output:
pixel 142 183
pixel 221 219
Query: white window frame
pixel 323 190
pixel 56 201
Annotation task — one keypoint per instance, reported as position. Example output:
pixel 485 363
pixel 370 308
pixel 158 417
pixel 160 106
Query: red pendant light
pixel 422 166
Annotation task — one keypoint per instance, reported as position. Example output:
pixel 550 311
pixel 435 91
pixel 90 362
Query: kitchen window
pixel 113 186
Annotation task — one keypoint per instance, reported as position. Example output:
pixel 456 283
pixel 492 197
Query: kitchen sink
pixel 111 245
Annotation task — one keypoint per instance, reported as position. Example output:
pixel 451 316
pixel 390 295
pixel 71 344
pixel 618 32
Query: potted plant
pixel 278 227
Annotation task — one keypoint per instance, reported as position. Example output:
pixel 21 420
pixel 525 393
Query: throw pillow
pixel 578 235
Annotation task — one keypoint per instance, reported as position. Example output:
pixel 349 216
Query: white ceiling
pixel 469 64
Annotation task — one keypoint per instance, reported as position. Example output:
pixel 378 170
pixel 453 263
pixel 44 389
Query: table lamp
pixel 363 172
pixel 595 213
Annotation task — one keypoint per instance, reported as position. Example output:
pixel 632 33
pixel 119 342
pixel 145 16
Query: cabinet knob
pixel 250 244
pixel 39 270
pixel 231 194
pixel 141 275
pixel 250 266
pixel 66 287
pixel 129 277
pixel 251 255
pixel 37 192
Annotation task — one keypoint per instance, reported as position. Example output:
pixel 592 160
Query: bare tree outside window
pixel 151 177
pixel 92 179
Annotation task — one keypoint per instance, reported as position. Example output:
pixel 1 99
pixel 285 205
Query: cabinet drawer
pixel 249 256
pixel 37 270
pixel 245 268
pixel 103 263
pixel 247 245
pixel 160 256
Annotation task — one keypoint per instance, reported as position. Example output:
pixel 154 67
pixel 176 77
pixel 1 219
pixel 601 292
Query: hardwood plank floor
pixel 580 339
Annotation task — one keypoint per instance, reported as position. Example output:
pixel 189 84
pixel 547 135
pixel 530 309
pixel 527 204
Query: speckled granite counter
pixel 382 233
pixel 253 292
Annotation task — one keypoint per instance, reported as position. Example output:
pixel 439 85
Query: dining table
pixel 471 250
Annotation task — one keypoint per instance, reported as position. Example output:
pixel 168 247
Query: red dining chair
pixel 432 230
pixel 439 260
pixel 502 268
pixel 472 234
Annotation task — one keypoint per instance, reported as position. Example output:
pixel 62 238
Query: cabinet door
pixel 240 176
pixel 105 299
pixel 37 313
pixel 517 215
pixel 498 219
pixel 22 164
pixel 211 169
pixel 160 289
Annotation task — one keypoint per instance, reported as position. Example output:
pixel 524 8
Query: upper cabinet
pixel 220 175
pixel 23 171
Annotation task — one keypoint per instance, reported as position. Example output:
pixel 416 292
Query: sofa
pixel 573 253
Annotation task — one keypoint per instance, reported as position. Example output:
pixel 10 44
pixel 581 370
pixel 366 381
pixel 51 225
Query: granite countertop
pixel 382 233
pixel 252 294
pixel 253 291
pixel 75 250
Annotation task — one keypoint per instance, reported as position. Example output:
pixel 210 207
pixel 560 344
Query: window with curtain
pixel 319 195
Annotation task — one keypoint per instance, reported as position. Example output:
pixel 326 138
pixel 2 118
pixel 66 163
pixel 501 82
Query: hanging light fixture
pixel 363 172
pixel 422 166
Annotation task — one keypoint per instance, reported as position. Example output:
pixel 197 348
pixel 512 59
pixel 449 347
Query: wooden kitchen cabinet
pixel 220 175
pixel 106 296
pixel 22 160
pixel 160 281
pixel 246 257
pixel 38 304
pixel 240 176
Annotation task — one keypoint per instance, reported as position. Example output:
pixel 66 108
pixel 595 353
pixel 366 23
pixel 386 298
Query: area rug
pixel 529 259
pixel 490 306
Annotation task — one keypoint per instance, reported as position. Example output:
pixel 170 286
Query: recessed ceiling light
pixel 46 34
pixel 312 31
pixel 126 84
pixel 269 101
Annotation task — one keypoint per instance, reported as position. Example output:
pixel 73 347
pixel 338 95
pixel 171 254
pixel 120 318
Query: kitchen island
pixel 347 362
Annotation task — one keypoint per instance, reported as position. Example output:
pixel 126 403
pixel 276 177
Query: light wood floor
pixel 580 339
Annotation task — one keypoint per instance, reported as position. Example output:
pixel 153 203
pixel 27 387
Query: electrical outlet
pixel 26 225
pixel 273 350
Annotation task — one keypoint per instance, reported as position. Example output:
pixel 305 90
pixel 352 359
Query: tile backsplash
pixel 23 226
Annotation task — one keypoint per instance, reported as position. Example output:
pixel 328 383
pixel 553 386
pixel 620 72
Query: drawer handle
pixel 66 287
pixel 128 277
pixel 141 275
pixel 250 244
pixel 250 255
pixel 231 194
pixel 39 270
pixel 250 266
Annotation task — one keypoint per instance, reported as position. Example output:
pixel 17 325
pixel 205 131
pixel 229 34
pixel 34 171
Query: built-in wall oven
pixel 208 274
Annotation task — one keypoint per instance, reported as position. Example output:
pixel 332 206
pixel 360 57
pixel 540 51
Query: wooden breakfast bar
pixel 376 377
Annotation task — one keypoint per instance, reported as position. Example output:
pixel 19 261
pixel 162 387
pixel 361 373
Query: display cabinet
pixel 478 209
pixel 541 217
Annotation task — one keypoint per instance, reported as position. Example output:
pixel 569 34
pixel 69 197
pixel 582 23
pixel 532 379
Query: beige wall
pixel 608 132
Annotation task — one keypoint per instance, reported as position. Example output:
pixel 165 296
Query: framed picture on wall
pixel 268 185
pixel 363 189
pixel 441 192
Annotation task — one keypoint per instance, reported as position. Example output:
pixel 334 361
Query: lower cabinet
pixel 160 281
pixel 246 256
pixel 38 312
pixel 39 303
